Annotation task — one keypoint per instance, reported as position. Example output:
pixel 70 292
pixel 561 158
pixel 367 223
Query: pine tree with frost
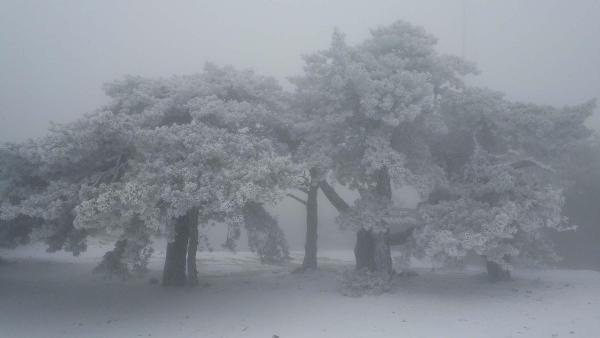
pixel 165 153
pixel 502 188
pixel 354 99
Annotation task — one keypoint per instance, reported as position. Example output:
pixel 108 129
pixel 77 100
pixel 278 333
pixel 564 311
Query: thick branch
pixel 399 238
pixel 333 197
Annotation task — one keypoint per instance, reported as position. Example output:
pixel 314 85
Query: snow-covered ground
pixel 56 295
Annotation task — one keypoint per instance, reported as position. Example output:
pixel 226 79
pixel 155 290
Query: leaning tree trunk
pixel 310 246
pixel 334 198
pixel 497 273
pixel 175 260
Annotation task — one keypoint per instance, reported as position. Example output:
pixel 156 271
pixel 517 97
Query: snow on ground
pixel 56 295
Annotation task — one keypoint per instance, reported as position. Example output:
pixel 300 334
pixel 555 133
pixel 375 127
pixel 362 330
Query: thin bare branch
pixel 297 198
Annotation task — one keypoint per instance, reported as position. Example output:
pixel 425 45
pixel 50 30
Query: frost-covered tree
pixel 354 98
pixel 204 150
pixel 166 153
pixel 502 183
pixel 43 178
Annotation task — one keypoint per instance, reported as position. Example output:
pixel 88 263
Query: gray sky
pixel 55 55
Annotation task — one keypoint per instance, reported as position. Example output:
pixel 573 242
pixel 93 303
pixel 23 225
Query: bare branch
pixel 530 163
pixel 99 179
pixel 117 169
pixel 297 198
pixel 304 190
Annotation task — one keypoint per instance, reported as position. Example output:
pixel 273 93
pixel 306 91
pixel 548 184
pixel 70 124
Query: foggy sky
pixel 55 55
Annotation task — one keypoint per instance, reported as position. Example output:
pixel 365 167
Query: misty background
pixel 55 55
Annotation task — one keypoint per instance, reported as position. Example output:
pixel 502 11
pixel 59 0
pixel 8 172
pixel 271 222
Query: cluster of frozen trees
pixel 167 156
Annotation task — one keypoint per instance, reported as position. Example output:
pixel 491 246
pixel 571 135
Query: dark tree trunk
pixel 382 255
pixel 174 269
pixel 364 250
pixel 383 187
pixel 496 273
pixel 192 248
pixel 310 246
pixel 372 251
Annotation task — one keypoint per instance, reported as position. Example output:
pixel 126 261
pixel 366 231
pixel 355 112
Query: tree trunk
pixel 364 250
pixel 192 248
pixel 310 246
pixel 496 273
pixel 174 269
pixel 382 255
pixel 383 187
